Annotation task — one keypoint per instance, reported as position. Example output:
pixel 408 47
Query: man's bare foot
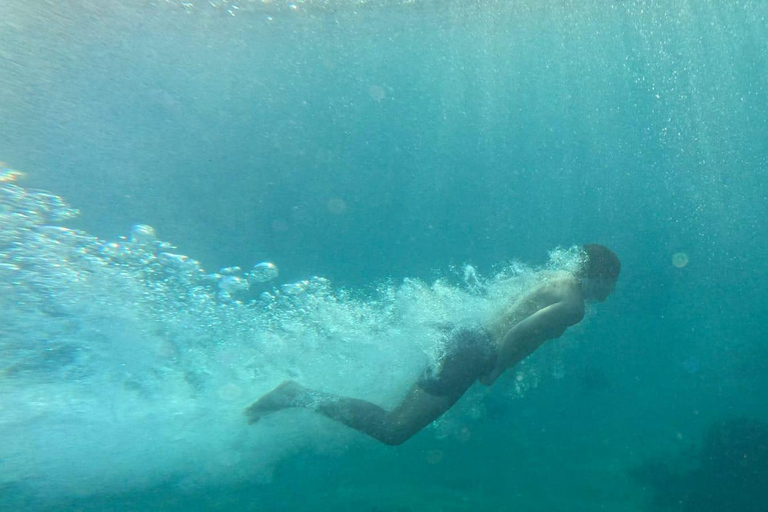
pixel 283 396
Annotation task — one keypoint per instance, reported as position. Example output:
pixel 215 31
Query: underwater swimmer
pixel 481 353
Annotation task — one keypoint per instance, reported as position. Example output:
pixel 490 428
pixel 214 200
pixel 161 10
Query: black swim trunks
pixel 470 354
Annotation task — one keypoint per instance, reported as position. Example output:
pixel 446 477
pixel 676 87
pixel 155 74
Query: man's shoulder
pixel 565 282
pixel 567 290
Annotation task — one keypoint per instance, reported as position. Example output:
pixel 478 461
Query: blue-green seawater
pixel 370 150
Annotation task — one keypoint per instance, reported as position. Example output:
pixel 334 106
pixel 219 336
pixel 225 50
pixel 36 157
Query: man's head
pixel 600 272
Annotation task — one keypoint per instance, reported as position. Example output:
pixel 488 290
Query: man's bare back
pixel 543 313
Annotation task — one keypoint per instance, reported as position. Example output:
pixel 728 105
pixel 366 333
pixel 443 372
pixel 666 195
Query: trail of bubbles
pixel 131 360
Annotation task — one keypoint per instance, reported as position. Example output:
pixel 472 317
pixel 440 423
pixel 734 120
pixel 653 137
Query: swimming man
pixel 482 353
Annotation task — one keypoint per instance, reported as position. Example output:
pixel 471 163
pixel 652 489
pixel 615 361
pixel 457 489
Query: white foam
pixel 122 372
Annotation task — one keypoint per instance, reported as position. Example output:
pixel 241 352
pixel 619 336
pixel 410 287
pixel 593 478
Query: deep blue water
pixel 369 143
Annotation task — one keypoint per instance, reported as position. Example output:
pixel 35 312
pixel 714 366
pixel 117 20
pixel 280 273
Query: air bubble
pixel 233 284
pixel 168 259
pixel 54 207
pixel 295 288
pixel 143 234
pixel 337 206
pixel 113 250
pixel 680 259
pixel 212 278
pixel 263 272
pixel 56 232
pixel 377 92
pixel 63 214
pixel 165 246
pixel 7 175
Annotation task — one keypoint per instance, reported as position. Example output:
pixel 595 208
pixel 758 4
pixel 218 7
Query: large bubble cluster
pixel 124 337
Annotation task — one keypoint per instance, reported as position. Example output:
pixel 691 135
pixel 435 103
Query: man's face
pixel 602 288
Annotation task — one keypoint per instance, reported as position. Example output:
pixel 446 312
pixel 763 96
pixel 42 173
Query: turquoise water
pixel 370 151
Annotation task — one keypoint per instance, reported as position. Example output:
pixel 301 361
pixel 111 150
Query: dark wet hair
pixel 601 263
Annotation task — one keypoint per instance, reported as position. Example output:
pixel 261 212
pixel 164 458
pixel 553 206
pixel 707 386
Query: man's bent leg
pixel 417 410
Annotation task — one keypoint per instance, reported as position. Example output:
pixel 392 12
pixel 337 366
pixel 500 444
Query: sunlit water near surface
pixel 203 198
